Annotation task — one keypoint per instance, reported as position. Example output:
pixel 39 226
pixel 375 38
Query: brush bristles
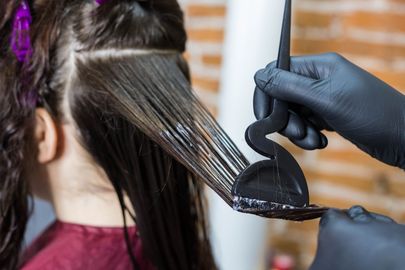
pixel 276 210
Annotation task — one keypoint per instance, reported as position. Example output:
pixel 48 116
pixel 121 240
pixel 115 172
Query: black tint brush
pixel 275 187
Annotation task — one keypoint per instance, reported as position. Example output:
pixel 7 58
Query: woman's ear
pixel 46 136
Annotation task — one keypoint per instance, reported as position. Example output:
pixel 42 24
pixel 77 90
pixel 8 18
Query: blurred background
pixel 228 42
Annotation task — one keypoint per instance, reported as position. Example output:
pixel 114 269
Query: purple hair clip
pixel 100 2
pixel 20 39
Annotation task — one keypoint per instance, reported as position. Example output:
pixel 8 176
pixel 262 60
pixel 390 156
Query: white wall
pixel 251 41
pixel 43 215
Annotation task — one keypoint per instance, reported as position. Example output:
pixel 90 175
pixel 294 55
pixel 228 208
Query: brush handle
pixel 280 108
pixel 283 59
pixel 278 119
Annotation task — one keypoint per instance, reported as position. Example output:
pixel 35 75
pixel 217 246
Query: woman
pixel 83 85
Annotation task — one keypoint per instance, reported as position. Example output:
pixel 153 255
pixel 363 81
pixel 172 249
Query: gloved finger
pixel 319 123
pixel 271 65
pixel 307 114
pixel 291 87
pixel 313 139
pixel 262 75
pixel 358 213
pixel 382 218
pixel 332 216
pixel 261 104
pixel 296 128
pixel 316 121
pixel 324 141
pixel 315 66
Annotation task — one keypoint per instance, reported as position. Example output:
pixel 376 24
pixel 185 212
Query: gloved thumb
pixel 290 87
pixel 332 216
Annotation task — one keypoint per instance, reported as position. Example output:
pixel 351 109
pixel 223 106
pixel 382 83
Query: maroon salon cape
pixel 67 246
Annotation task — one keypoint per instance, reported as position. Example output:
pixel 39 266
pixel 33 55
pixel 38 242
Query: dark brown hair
pixel 117 72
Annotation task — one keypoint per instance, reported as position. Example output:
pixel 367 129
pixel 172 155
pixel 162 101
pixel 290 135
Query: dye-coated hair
pixel 96 66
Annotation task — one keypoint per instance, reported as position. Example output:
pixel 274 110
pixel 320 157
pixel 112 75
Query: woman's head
pixel 74 35
pixel 107 78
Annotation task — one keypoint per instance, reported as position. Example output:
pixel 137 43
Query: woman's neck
pixel 98 208
pixel 78 187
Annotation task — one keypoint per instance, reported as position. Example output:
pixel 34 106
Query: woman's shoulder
pixel 51 250
pixel 67 246
pixel 45 261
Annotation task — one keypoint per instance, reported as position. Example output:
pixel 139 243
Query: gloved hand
pixel 359 240
pixel 328 92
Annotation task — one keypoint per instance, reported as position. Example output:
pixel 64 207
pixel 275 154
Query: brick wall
pixel 371 33
pixel 205 22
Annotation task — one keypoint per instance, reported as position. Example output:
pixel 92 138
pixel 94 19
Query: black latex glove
pixel 359 240
pixel 328 92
